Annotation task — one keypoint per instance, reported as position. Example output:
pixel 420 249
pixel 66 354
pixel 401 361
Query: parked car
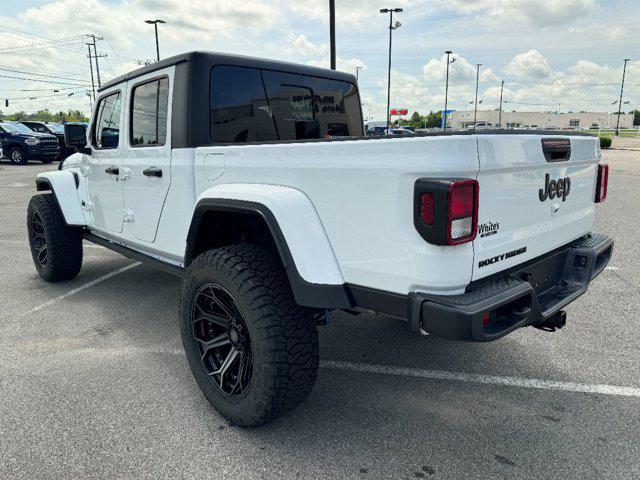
pixel 480 126
pixel 21 144
pixel 217 168
pixel 56 129
pixel 401 131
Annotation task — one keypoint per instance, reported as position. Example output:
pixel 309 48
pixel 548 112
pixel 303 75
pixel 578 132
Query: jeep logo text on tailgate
pixel 555 188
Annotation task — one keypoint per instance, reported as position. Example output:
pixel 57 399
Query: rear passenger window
pixel 149 106
pixel 312 107
pixel 106 131
pixel 238 107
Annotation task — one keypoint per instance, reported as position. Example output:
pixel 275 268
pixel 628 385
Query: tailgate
pixel 532 201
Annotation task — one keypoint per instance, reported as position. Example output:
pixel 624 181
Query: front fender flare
pixel 64 186
pixel 305 250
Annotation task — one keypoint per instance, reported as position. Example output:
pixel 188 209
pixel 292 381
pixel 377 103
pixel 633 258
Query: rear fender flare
pixel 64 186
pixel 305 250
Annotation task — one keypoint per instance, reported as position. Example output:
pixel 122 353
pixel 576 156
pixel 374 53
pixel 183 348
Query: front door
pixel 147 159
pixel 104 165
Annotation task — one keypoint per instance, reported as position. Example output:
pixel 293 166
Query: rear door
pixel 104 163
pixel 147 159
pixel 536 194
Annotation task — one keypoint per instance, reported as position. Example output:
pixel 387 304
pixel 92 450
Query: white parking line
pixel 611 268
pixel 82 287
pixel 601 389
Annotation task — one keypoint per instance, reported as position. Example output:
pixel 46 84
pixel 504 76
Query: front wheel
pixel 17 156
pixel 56 248
pixel 251 348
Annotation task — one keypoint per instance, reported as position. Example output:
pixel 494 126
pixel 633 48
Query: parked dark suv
pixel 21 144
pixel 54 129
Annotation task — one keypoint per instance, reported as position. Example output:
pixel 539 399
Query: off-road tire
pixel 63 243
pixel 20 155
pixel 284 336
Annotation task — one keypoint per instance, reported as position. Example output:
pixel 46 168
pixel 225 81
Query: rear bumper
pixel 529 294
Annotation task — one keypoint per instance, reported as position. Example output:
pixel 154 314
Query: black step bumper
pixel 530 294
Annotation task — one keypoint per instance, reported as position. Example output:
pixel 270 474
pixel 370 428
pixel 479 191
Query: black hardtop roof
pixel 214 58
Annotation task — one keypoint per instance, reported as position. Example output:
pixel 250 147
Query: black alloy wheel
pixel 222 339
pixel 39 239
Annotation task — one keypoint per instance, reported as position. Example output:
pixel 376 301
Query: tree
pixel 636 116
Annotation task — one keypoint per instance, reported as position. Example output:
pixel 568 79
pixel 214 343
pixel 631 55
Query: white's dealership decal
pixel 488 229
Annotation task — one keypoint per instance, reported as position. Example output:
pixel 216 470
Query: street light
pixel 446 90
pixel 392 27
pixel 475 110
pixel 155 24
pixel 358 68
pixel 624 71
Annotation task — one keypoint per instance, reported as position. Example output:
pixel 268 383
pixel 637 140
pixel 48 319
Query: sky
pixel 551 54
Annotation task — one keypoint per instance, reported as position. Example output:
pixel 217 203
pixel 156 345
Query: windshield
pixel 56 127
pixel 15 127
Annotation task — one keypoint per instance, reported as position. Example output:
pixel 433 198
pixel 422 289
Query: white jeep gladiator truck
pixel 252 180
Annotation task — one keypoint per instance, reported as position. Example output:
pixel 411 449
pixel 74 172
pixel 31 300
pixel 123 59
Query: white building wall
pixel 462 119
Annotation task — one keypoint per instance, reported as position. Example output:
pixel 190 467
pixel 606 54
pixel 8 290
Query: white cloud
pixel 301 45
pixel 529 66
pixel 541 13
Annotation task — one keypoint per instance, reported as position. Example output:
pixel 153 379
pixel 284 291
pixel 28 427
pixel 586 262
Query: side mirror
pixel 75 135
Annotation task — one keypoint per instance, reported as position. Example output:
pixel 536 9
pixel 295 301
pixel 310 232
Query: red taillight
pixel 602 182
pixel 462 212
pixel 427 208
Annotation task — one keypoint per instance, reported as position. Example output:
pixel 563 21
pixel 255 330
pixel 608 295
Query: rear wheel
pixel 251 348
pixel 17 156
pixel 56 248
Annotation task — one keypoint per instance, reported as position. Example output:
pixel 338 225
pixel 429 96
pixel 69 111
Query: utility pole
pixel 446 93
pixel 392 27
pixel 332 32
pixel 624 71
pixel 96 56
pixel 500 114
pixel 357 72
pixel 475 110
pixel 93 85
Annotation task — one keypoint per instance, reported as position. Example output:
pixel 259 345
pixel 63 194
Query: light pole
pixel 332 32
pixel 357 72
pixel 392 27
pixel 500 114
pixel 624 71
pixel 475 110
pixel 446 90
pixel 155 24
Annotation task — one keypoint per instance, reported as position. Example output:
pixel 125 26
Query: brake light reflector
pixel 602 182
pixel 462 212
pixel 427 207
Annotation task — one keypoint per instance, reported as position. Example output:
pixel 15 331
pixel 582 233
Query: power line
pixel 39 74
pixel 41 80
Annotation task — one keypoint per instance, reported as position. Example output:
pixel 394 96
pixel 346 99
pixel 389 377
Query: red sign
pixel 399 111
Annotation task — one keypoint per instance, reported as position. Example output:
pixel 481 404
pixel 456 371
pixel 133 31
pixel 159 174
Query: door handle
pixel 152 172
pixel 112 170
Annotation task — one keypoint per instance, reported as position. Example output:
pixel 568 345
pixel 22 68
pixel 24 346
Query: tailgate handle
pixel 556 149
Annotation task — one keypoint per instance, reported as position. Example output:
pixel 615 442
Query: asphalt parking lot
pixel 94 384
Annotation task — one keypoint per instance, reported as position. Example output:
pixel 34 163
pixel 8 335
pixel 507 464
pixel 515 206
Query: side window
pixel 149 107
pixel 238 107
pixel 312 107
pixel 106 129
pixel 40 128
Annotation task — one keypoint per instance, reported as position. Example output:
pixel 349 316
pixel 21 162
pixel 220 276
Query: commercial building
pixel 548 120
